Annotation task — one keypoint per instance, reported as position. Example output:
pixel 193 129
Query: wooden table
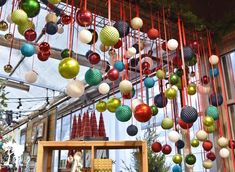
pixel 45 148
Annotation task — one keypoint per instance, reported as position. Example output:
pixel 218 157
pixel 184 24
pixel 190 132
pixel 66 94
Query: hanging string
pixel 71 28
pixel 109 11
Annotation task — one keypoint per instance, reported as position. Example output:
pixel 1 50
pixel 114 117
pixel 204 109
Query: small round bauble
pixel 170 93
pixel 94 58
pixel 66 19
pixel 123 113
pixel 202 89
pixel 104 48
pixel 143 112
pixel 214 59
pixel 60 29
pixel 153 33
pixel 184 125
pixel 94 36
pixel 231 144
pixel 3 26
pixel 136 23
pixel 84 17
pixel 213 112
pixel 125 86
pixel 207 145
pixel 51 28
pixel 19 17
pixel 177 158
pixel 180 144
pixel 224 153
pixel 2 2
pixel 113 104
pixel 216 99
pixel 130 52
pixel 44 56
pixel 134 62
pixel 201 135
pixel 160 74
pixel 31 7
pixel 109 36
pixel 69 68
pixel 119 65
pixel 210 129
pixel 166 149
pixel 160 100
pixel 190 159
pixel 101 106
pixel 75 88
pixel 26 26
pixel 8 68
pixel 51 17
pixel 132 130
pixel 189 114
pixel 27 50
pixel 30 35
pixel 44 47
pixel 173 136
pixel 194 143
pixel 174 79
pixel 154 110
pixel 66 53
pixel 192 89
pixel 149 82
pixel 214 72
pixel 205 79
pixel 135 102
pixel 167 123
pixel 172 44
pixel 208 121
pixel 223 142
pixel 85 36
pixel 9 36
pixel 93 77
pixel 104 88
pixel 211 156
pixel 188 53
pixel 177 168
pixel 122 27
pixel 31 77
pixel 54 1
pixel 207 164
pixel 113 74
pixel 156 147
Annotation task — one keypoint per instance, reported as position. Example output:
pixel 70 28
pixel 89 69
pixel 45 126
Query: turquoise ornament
pixel 149 82
pixel 27 50
pixel 93 77
pixel 119 65
pixel 213 112
pixel 123 113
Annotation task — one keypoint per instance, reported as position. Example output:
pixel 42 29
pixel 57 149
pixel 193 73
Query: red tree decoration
pixel 87 126
pixel 79 126
pixel 94 129
pixel 101 126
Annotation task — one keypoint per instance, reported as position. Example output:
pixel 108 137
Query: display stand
pixel 45 148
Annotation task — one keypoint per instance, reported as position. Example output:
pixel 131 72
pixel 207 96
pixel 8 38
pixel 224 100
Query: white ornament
pixel 224 153
pixel 31 76
pixel 172 44
pixel 223 142
pixel 51 17
pixel 60 29
pixel 104 88
pixel 85 36
pixel 207 164
pixel 173 136
pixel 136 23
pixel 201 135
pixel 125 86
pixel 75 88
pixel 130 52
pixel 214 59
pixel 135 102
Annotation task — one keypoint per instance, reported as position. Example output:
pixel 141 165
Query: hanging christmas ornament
pixel 122 27
pixel 44 47
pixel 194 143
pixel 31 7
pixel 132 130
pixel 201 135
pixel 125 86
pixel 8 68
pixel 145 65
pixel 85 36
pixel 66 53
pixel 207 145
pixel 93 77
pixel 173 136
pixel 3 26
pixel 208 121
pixel 129 95
pixel 166 149
pixel 143 112
pixel 211 156
pixel 171 93
pixel 23 28
pixel 149 82
pixel 135 103
pixel 160 100
pixel 184 125
pixel 101 106
pixel 75 88
pixel 68 68
pixel 174 79
pixel 192 89
pixel 104 88
pixel 213 112
pixel 123 113
pixel 113 74
pixel 180 144
pixel 84 17
pixel 160 74
pixel 27 50
pixel 54 1
pixel 31 77
pixel 189 114
pixel 154 110
pixel 205 79
pixel 113 104
pixel 172 44
pixel 2 2
pixel 177 168
pixel 223 142
pixel 60 29
pixel 51 17
pixel 177 158
pixel 153 33
pixel 8 36
pixel 94 36
pixel 207 164
pixel 156 147
pixel 214 72
pixel 210 129
pixel 188 53
pixel 214 59
pixel 119 65
pixel 136 23
pixel 216 99
pixel 203 89
pixel 167 123
pixel 19 17
pixel 30 35
pixel 94 58
pixel 109 36
pixel 130 52
pixel 51 28
pixel 66 19
pixel 190 159
pixel 224 153
pixel 43 56
pixel 231 144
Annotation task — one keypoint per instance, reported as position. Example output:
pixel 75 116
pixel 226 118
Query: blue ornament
pixel 149 82
pixel 214 72
pixel 176 168
pixel 160 100
pixel 180 144
pixel 2 2
pixel 189 114
pixel 216 100
pixel 27 50
pixel 51 28
pixel 132 130
pixel 119 65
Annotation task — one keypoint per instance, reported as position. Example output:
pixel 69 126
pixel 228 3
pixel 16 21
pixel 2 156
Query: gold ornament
pixel 177 158
pixel 208 121
pixel 69 68
pixel 101 106
pixel 8 68
pixel 113 104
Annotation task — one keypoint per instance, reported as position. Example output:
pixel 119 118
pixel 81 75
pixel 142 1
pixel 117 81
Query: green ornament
pixel 167 123
pixel 123 113
pixel 213 112
pixel 210 129
pixel 171 93
pixel 31 7
pixel 174 79
pixel 66 53
pixel 177 158
pixel 109 36
pixel 93 77
pixel 154 110
pixel 195 143
pixel 113 104
pixel 192 89
pixel 190 159
pixel 179 72
pixel 192 61
pixel 19 17
pixel 160 74
pixel 101 106
pixel 28 25
pixel 208 121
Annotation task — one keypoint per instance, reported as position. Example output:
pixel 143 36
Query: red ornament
pixel 66 19
pixel 166 149
pixel 147 71
pixel 94 58
pixel 207 145
pixel 211 156
pixel 43 56
pixel 156 147
pixel 44 47
pixel 118 44
pixel 145 65
pixel 205 79
pixel 184 125
pixel 153 33
pixel 84 17
pixel 143 112
pixel 127 96
pixel 30 35
pixel 231 144
pixel 113 74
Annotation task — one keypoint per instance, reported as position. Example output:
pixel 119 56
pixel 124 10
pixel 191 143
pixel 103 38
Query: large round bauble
pixel 173 136
pixel 84 17
pixel 160 74
pixel 113 104
pixel 75 88
pixel 167 123
pixel 54 1
pixel 30 35
pixel 113 74
pixel 216 99
pixel 194 143
pixel 3 26
pixel 123 113
pixel 26 26
pixel 44 56
pixel 201 135
pixel 208 121
pixel 19 17
pixel 136 23
pixel 174 79
pixel 171 93
pixel 154 110
pixel 104 48
pixel 122 27
pixel 143 112
pixel 44 47
pixel 31 7
pixel 132 130
pixel 51 28
pixel 207 164
pixel 149 82
pixel 192 89
pixel 203 89
pixel 94 36
pixel 2 2
pixel 93 77
pixel 213 112
pixel 224 153
pixel 51 17
pixel 153 33
pixel 69 68
pixel 177 168
pixel 101 106
pixel 184 125
pixel 166 149
pixel 85 36
pixel 189 114
pixel 94 58
pixel 119 65
pixel 160 100
pixel 27 50
pixel 214 72
pixel 207 145
pixel 177 158
pixel 135 103
pixel 109 36
pixel 8 68
pixel 125 86
pixel 190 159
pixel 172 44
pixel 223 142
pixel 211 156
pixel 188 53
pixel 31 77
pixel 205 79
pixel 156 147
pixel 104 88
pixel 180 144
pixel 214 59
